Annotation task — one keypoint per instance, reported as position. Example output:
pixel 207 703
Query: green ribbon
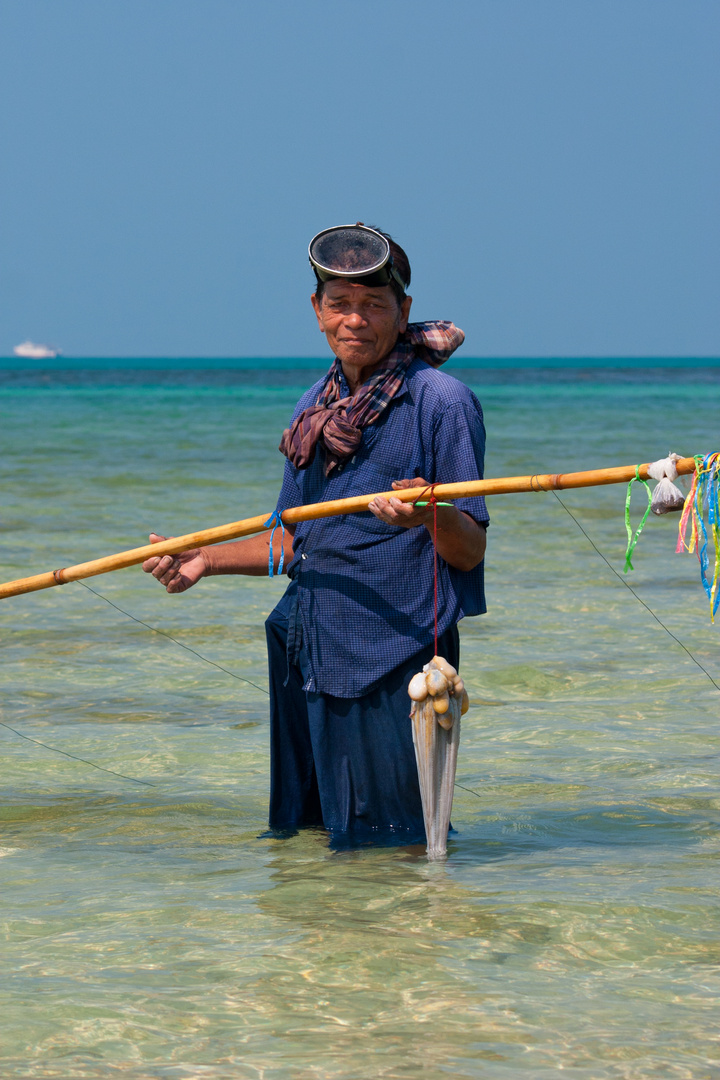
pixel 633 538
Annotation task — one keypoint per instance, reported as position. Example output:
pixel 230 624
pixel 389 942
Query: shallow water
pixel 153 931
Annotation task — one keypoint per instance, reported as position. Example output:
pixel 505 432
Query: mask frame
pixel 354 253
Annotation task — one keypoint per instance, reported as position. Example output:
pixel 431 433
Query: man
pixel 357 620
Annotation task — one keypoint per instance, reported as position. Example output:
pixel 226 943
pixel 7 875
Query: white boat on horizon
pixel 28 350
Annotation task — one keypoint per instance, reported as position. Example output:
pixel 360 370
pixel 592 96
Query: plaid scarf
pixel 337 423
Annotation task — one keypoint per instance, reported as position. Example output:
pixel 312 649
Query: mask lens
pixel 348 251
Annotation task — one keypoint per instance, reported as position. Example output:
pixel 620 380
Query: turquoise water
pixel 154 932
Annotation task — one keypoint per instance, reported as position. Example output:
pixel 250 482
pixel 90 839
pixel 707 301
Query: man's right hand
pixel 176 572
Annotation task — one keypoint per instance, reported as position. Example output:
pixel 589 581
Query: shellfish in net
pixel 439 698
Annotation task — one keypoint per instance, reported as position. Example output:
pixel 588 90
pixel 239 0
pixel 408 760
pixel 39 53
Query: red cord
pixel 434 506
pixel 433 502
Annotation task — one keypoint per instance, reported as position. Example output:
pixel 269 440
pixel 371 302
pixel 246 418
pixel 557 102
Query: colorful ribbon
pixel 633 538
pixel 703 495
pixel 273 521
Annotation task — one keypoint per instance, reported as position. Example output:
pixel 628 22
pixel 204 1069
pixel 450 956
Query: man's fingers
pixel 158 564
pixel 179 584
pixel 150 565
pixel 406 509
pixel 166 568
pixel 416 482
pixel 395 512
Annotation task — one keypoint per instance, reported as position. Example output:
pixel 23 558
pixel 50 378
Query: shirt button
pixel 303 556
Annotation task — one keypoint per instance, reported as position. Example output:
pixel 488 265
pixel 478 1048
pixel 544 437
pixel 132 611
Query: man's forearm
pixel 248 556
pixel 460 540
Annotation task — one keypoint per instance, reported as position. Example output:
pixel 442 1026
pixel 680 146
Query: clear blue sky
pixel 551 167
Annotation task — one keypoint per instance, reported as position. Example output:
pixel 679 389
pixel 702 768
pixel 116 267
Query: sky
pixel 550 166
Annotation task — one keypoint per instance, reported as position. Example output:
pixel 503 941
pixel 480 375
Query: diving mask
pixel 353 253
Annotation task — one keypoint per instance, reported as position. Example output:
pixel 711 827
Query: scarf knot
pixel 336 423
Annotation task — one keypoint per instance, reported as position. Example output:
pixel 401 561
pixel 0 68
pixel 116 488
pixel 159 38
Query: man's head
pixel 362 316
pixel 361 322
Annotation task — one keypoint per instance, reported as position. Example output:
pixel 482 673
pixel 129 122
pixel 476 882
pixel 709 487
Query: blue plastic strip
pixel 272 523
pixel 714 521
pixel 707 495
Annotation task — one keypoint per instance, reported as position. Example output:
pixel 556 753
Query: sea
pixel 150 926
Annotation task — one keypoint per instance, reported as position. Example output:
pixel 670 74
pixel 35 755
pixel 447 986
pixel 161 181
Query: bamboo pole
pixel 236 529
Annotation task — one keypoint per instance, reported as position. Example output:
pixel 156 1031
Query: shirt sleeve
pixel 290 494
pixel 459 451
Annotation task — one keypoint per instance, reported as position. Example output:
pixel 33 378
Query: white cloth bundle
pixel 667 496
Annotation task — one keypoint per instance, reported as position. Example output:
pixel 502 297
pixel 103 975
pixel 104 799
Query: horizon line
pixel 570 359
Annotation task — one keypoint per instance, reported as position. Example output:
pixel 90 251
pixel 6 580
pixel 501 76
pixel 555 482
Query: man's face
pixel 361 323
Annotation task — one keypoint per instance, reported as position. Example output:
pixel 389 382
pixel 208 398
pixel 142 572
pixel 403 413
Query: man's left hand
pixel 395 512
pixel 460 540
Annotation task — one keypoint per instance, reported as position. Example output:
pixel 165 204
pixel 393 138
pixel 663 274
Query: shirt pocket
pixel 392 458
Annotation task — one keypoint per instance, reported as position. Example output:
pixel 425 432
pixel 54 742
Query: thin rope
pixel 164 633
pixel 627 586
pixel 155 630
pixel 432 501
pixel 638 598
pixel 476 793
pixel 75 757
pixel 219 666
pixel 435 568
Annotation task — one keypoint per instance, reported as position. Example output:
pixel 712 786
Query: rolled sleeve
pixel 459 453
pixel 290 493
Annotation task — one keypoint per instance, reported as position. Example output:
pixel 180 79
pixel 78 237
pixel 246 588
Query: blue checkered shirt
pixel 365 600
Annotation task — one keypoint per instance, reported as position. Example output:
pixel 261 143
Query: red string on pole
pixel 432 501
pixel 435 572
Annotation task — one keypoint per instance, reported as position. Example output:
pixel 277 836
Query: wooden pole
pixel 237 529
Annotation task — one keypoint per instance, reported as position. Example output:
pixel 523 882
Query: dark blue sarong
pixel 344 764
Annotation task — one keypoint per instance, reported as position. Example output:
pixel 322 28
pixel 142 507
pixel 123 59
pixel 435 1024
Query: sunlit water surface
pixel 153 931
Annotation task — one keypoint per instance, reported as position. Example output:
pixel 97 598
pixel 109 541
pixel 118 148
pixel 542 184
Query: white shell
pixel 441 703
pixel 436 682
pixel 417 688
pixel 442 665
